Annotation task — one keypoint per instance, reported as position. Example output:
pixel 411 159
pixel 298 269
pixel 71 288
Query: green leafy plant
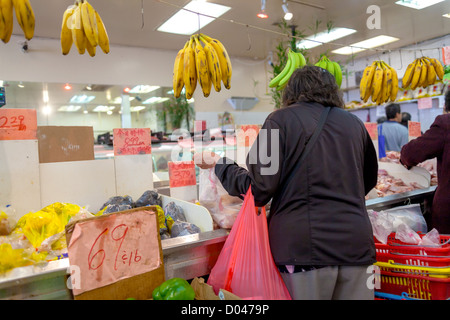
pixel 175 111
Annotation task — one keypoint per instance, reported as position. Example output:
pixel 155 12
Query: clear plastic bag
pixel 245 265
pixel 432 239
pixel 407 235
pixel 382 225
pixel 410 215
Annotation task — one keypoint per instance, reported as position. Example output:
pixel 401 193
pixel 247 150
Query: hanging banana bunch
pixel 295 60
pixel 332 67
pixel 24 15
pixel 207 64
pixel 379 82
pixel 83 26
pixel 422 72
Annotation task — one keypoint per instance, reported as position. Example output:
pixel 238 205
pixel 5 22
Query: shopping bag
pixel 245 265
pixel 381 143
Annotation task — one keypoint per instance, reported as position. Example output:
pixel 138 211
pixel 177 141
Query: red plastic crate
pixel 413 260
pixel 396 246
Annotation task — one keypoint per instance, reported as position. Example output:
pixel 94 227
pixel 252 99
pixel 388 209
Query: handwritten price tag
pixel 112 248
pixel 446 55
pixel 182 174
pixel 414 129
pixel 246 134
pixel 425 103
pixel 18 124
pixel 372 128
pixel 132 141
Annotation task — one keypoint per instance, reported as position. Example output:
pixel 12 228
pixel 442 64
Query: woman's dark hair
pixel 447 102
pixel 312 84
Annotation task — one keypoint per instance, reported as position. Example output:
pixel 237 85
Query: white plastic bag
pixel 382 225
pixel 407 235
pixel 410 215
pixel 432 238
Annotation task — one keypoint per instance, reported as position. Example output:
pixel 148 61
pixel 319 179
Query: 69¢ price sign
pixel 110 248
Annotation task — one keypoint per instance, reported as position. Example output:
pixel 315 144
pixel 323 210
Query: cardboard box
pixel 204 291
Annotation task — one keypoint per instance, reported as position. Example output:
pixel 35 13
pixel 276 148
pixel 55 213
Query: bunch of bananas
pixel 207 64
pixel 295 60
pixel 379 82
pixel 422 72
pixel 83 26
pixel 332 67
pixel 24 15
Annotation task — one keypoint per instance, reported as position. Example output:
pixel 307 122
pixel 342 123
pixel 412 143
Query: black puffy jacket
pixel 321 218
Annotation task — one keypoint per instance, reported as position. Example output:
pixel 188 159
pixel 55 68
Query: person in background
pixel 406 116
pixel 320 235
pixel 381 120
pixel 435 142
pixel 396 135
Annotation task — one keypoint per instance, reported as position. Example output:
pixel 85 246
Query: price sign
pixel 246 134
pixel 182 174
pixel 372 128
pixel 18 124
pixel 446 55
pixel 425 103
pixel 414 129
pixel 113 247
pixel 132 141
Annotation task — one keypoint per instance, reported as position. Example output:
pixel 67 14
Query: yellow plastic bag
pixel 12 258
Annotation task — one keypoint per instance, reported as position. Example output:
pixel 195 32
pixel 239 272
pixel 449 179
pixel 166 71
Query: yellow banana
pixel 178 82
pixel 423 75
pixel 377 83
pixel 394 86
pixel 79 38
pixel 6 23
pixel 213 65
pixel 103 39
pixel 25 17
pixel 387 81
pixel 90 48
pixel 201 64
pixel 66 32
pixel 438 67
pixel 416 76
pixel 407 77
pixel 89 23
pixel 189 70
pixel 365 86
pixel 224 60
pixel 431 73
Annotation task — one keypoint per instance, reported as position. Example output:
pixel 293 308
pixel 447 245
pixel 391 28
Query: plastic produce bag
pixel 245 265
pixel 406 234
pixel 183 228
pixel 432 239
pixel 382 225
pixel 410 215
pixel 149 198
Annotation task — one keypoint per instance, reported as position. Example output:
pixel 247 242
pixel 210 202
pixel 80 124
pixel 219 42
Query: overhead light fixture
pixel 366 44
pixel 67 86
pixel 143 89
pixel 324 37
pixel 118 100
pixel 70 108
pixel 45 95
pixel 126 89
pixel 103 108
pixel 262 14
pixel 154 100
pixel 418 4
pixel 21 85
pixel 447 15
pixel 192 17
pixel 81 99
pixel 137 108
pixel 46 110
pixel 287 14
pixel 89 87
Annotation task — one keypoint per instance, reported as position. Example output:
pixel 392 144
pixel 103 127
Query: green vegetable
pixel 174 289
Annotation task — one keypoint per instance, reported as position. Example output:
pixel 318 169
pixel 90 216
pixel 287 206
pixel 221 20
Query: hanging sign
pixel 246 134
pixel 372 129
pixel 18 124
pixel 446 55
pixel 425 103
pixel 414 130
pixel 132 141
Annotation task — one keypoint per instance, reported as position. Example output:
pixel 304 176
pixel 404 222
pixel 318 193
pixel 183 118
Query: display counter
pixel 186 257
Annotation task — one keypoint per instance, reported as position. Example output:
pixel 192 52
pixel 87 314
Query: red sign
pixel 372 128
pixel 246 134
pixel 132 141
pixel 182 174
pixel 446 55
pixel 414 129
pixel 425 103
pixel 18 124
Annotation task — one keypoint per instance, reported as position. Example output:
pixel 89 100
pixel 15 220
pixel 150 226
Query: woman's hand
pixel 206 159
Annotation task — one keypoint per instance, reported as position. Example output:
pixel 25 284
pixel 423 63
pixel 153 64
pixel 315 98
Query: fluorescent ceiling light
pixel 82 98
pixel 118 100
pixel 366 44
pixel 188 22
pixel 143 89
pixel 137 108
pixel 69 108
pixel 103 108
pixel 418 4
pixel 324 37
pixel 447 15
pixel 153 100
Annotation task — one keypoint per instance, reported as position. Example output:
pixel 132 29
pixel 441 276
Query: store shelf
pixel 398 102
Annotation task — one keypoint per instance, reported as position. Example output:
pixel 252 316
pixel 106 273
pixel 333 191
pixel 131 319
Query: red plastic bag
pixel 245 265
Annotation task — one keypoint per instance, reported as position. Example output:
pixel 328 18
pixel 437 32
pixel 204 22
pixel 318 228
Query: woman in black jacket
pixel 320 234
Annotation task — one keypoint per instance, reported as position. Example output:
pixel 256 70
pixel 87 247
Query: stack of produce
pixel 295 60
pixel 207 64
pixel 379 82
pixel 25 18
pixel 333 67
pixel 83 26
pixel 422 72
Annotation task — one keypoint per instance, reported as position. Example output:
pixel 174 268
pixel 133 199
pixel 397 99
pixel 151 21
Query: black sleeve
pixel 370 165
pixel 264 166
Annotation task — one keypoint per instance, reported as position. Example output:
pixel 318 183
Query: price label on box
pixel 18 124
pixel 132 141
pixel 113 247
pixel 182 174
